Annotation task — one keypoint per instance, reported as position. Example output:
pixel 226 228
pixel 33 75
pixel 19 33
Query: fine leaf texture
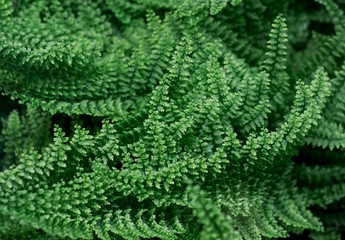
pixel 175 119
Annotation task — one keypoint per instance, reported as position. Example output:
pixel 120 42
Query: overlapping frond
pixel 150 119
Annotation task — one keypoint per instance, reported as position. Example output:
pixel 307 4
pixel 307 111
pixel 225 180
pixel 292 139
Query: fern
pixel 149 119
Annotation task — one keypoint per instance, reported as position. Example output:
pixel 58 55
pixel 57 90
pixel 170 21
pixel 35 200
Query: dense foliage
pixel 174 119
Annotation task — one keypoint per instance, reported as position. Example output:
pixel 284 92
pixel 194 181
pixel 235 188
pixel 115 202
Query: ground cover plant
pixel 175 119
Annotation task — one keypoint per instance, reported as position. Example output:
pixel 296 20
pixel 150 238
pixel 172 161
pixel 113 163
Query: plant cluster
pixel 175 119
